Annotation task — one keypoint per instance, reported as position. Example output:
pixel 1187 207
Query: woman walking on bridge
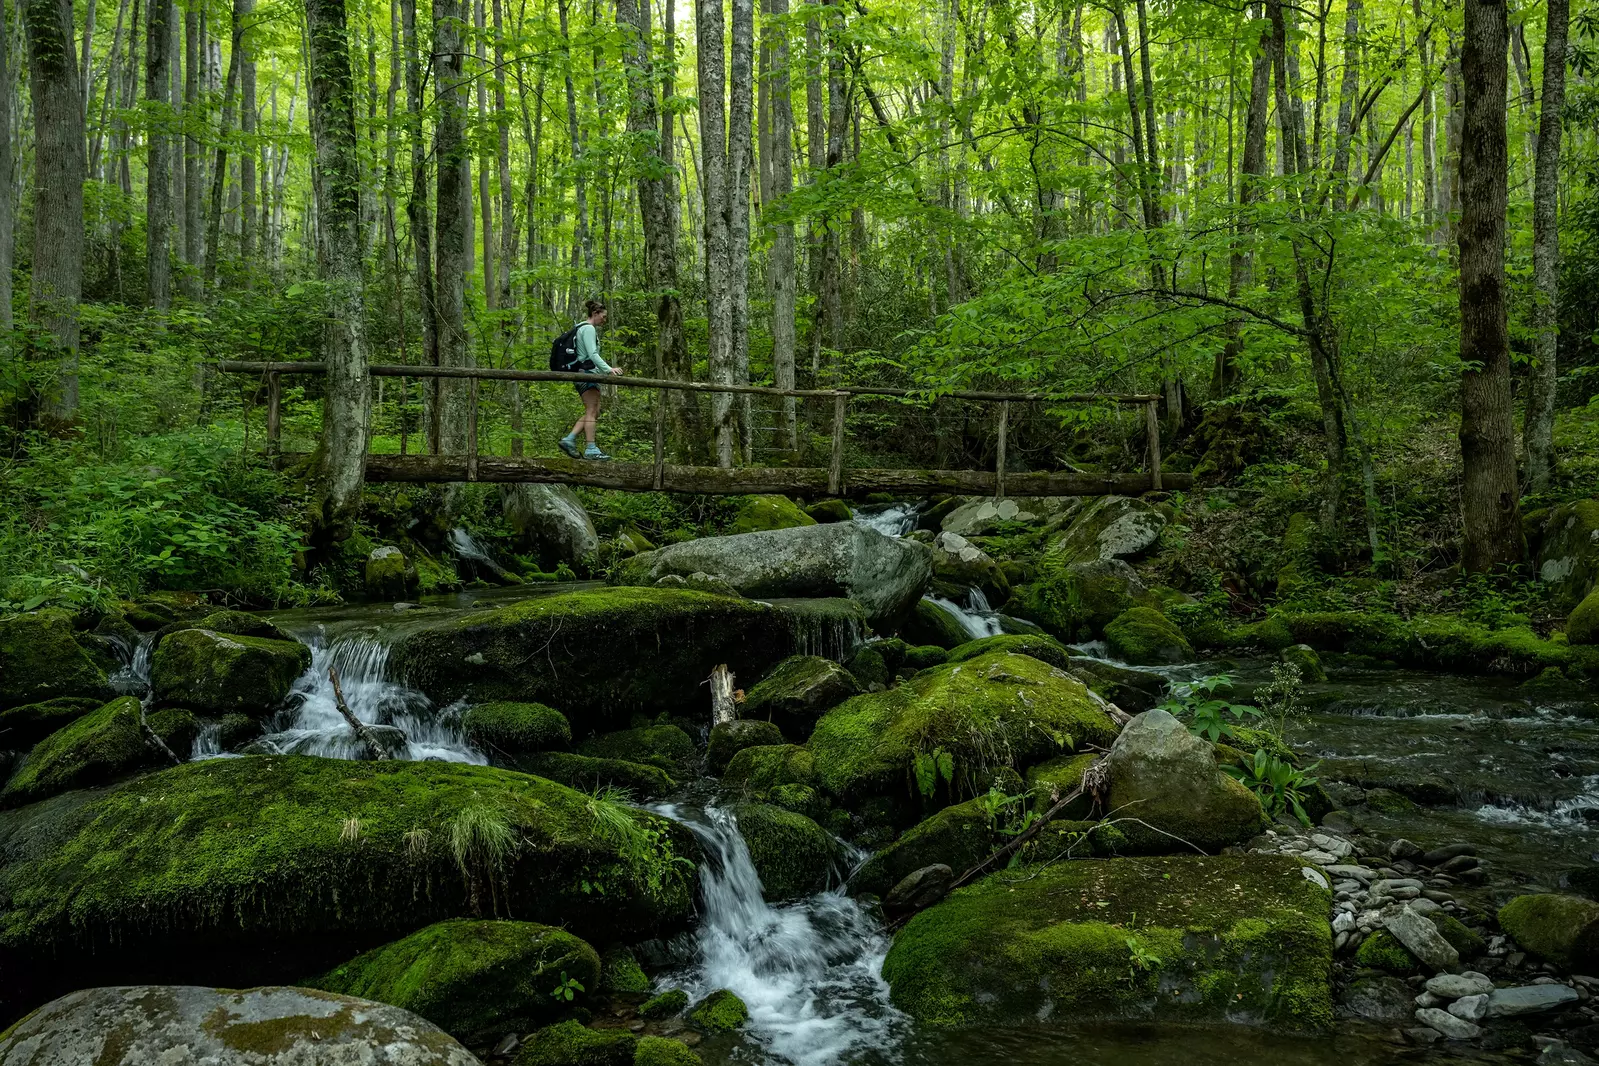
pixel 585 340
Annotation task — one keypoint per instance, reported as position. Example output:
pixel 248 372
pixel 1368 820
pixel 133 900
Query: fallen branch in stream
pixel 362 733
pixel 724 706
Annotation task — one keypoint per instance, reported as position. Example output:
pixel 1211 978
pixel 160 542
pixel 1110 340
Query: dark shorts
pixel 584 386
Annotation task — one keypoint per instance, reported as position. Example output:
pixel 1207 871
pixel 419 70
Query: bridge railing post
pixel 1152 431
pixel 999 458
pixel 835 469
pixel 405 423
pixel 274 425
pixel 471 433
pixel 660 438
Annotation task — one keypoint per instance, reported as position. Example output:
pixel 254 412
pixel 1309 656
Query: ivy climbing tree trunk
pixel 1540 417
pixel 158 157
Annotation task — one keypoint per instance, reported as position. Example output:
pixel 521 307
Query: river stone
pixel 1451 1027
pixel 793 855
pixel 1457 985
pixel 885 574
pixel 24 726
pixel 960 562
pixel 1422 939
pixel 390 575
pixel 219 673
pixel 919 889
pixel 1076 601
pixel 1238 938
pixel 41 659
pixel 1562 929
pixel 1143 636
pixel 1379 999
pixel 798 691
pixel 1163 775
pixel 1568 551
pixel 167 1025
pixel 99 747
pixel 730 738
pixel 1529 999
pixel 985 516
pixel 549 521
pixel 1471 1008
pixel 1112 527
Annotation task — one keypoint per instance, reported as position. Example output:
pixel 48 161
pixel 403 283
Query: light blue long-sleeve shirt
pixel 588 348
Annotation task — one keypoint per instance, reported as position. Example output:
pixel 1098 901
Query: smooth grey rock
pixel 1559 1053
pixel 1451 1027
pixel 1113 527
pixel 919 889
pixel 886 575
pixel 551 520
pixel 1456 985
pixel 180 1025
pixel 1528 999
pixel 976 517
pixel 1422 939
pixel 1427 999
pixel 1364 874
pixel 1164 775
pixel 1423 1035
pixel 1343 922
pixel 1378 999
pixel 1470 1008
pixel 960 562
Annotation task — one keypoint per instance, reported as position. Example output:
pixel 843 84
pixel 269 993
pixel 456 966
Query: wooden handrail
pixel 239 366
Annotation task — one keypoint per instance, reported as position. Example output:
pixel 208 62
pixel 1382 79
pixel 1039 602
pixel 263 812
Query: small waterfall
pixel 479 561
pixel 312 724
pixel 208 743
pixel 894 520
pixel 132 678
pixel 977 618
pixel 810 971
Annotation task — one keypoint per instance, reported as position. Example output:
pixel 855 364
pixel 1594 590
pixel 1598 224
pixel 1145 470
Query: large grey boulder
pixel 1113 527
pixel 178 1025
pixel 551 521
pixel 960 562
pixel 1166 778
pixel 886 575
pixel 982 516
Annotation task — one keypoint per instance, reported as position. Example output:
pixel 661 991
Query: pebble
pixel 1341 941
pixel 1469 1008
pixel 1460 863
pixel 1438 856
pixel 1429 999
pixel 1320 858
pixel 1310 873
pixel 1363 874
pixel 1343 923
pixel 1424 906
pixel 1528 999
pixel 1437 895
pixel 1451 1027
pixel 1404 849
pixel 1454 986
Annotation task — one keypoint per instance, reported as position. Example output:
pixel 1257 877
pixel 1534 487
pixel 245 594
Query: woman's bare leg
pixel 591 413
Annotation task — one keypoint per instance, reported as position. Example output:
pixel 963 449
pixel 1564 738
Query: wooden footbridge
pixel 661 476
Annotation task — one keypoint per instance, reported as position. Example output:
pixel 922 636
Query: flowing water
pixel 977 618
pixel 891 520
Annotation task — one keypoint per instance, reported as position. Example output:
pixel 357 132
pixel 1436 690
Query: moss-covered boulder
pixel 1061 776
pixel 1383 951
pixel 1583 625
pixel 41 659
pixel 390 575
pixel 764 768
pixel 1076 601
pixel 23 727
pixel 236 623
pixel 719 1012
pixel 1112 527
pixel 668 1004
pixel 214 672
pixel 475 979
pixel 1562 929
pixel 1242 939
pixel 1568 551
pixel 958 837
pixel 756 513
pixel 100 746
pixel 515 728
pixel 997 711
pixel 794 856
pixel 571 1043
pixel 928 623
pixel 1131 690
pixel 979 516
pixel 1304 658
pixel 603 654
pixel 1166 778
pixel 798 691
pixel 665 746
pixel 588 774
pixel 1038 645
pixel 278 862
pixel 959 562
pixel 729 738
pixel 1144 636
pixel 830 511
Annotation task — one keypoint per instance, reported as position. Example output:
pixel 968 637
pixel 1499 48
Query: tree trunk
pixel 337 174
pixel 192 229
pixel 741 128
pixel 453 226
pixel 1540 419
pixel 244 12
pixel 582 240
pixel 1252 167
pixel 780 261
pixel 158 164
pixel 1429 124
pixel 1489 508
pixel 491 288
pixel 502 125
pixel 832 279
pixel 417 214
pixel 58 161
pixel 1348 93
pixel 8 173
pixel 219 168
pixel 708 30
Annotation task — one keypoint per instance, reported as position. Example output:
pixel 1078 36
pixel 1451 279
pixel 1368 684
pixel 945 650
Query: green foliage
pixel 567 988
pixel 1206 712
pixel 644 846
pixel 1281 786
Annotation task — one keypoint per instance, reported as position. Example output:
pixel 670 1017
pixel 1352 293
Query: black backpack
pixel 563 352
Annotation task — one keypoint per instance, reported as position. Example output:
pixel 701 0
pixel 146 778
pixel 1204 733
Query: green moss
pixel 958 836
pixel 1274 633
pixel 830 511
pixel 1226 938
pixel 1144 636
pixel 764 768
pixel 868 667
pixel 620 974
pixel 1058 777
pixel 1076 601
pixel 1460 936
pixel 572 1044
pixel 798 691
pixel 996 710
pixel 1045 649
pixel 663 746
pixel 1383 951
pixel 1562 929
pixel 1388 801
pixel 587 774
pixel 801 799
pixel 730 738
pixel 40 659
pixel 176 727
pixel 1583 625
pixel 929 623
pixel 603 654
pixel 99 747
pixel 659 1051
pixel 474 979
pixel 719 1012
pixel 288 853
pixel 793 855
pixel 1305 658
pixel 756 513
pixel 516 727
pixel 219 673
pixel 23 727
pixel 668 1004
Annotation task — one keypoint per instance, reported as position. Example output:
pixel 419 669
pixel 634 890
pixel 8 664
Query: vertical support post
pixel 274 413
pixel 471 434
pixel 405 423
pixel 660 436
pixel 999 458
pixel 835 470
pixel 516 417
pixel 1152 430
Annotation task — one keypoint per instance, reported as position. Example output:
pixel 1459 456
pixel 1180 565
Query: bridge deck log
pixel 716 481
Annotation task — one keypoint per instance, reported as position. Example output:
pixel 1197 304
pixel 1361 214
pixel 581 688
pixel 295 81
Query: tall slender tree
pixel 780 262
pixel 453 224
pixel 1540 416
pixel 158 157
pixel 709 28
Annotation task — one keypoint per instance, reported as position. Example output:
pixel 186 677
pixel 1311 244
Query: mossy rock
pixel 765 768
pixel 756 513
pixel 1388 801
pixel 794 856
pixel 1145 637
pixel 389 575
pixel 620 974
pixel 1566 557
pixel 571 1043
pixel 1561 929
pixel 1583 625
pixel 924 657
pixel 99 747
pixel 1304 657
pixel 1131 690
pixel 868 667
pixel 730 738
pixel 177 729
pixel 719 1012
pixel 660 1051
pixel 928 623
pixel 475 979
pixel 801 799
pixel 297 858
pixel 668 1004
pixel 1383 951
pixel 41 659
pixel 798 691
pixel 1165 782
pixel 604 653
pixel 1060 777
pixel 218 673
pixel 995 711
pixel 236 623
pixel 23 727
pixel 1076 601
pixel 959 837
pixel 1043 648
pixel 830 511
pixel 663 746
pixel 1272 633
pixel 1184 938
pixel 588 774
pixel 514 728
pixel 1461 936
pixel 1110 527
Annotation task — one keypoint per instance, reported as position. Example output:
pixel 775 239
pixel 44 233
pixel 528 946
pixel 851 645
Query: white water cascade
pixel 810 971
pixel 977 618
pixel 473 554
pixel 895 520
pixel 132 678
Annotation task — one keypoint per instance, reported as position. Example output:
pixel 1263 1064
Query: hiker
pixel 578 351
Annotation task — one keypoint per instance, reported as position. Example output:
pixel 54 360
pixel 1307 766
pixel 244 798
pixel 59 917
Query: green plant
pixel 1140 960
pixel 1206 712
pixel 568 988
pixel 1279 699
pixel 930 767
pixel 1280 785
pixel 483 842
pixel 643 843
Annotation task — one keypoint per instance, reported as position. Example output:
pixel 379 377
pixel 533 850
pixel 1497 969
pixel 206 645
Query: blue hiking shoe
pixel 593 452
pixel 569 446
